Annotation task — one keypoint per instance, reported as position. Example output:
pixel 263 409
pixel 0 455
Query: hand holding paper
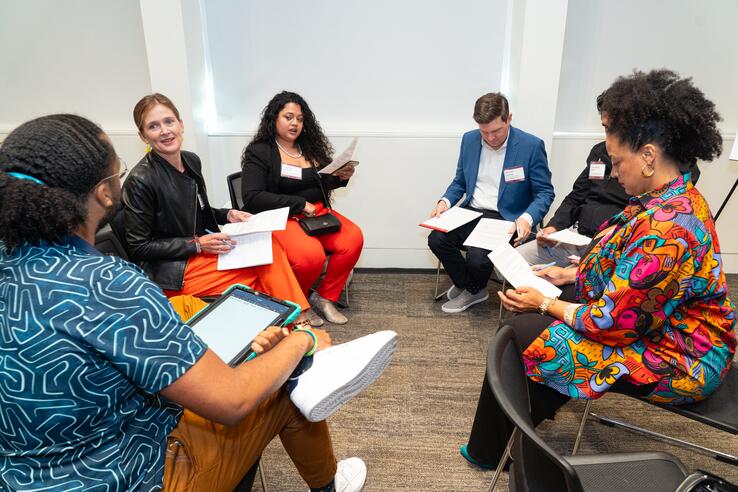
pixel 341 159
pixel 517 271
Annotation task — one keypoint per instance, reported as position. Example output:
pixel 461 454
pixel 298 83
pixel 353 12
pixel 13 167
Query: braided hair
pixel 662 108
pixel 67 153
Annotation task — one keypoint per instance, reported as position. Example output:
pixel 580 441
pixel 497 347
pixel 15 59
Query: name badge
pixel 597 170
pixel 290 171
pixel 514 174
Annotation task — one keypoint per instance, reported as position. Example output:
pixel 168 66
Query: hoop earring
pixel 649 174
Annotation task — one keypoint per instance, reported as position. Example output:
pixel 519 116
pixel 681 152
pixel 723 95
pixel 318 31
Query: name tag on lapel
pixel 514 174
pixel 597 170
pixel 291 172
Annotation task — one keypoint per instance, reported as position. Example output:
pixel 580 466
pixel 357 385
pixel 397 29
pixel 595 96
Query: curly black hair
pixel 68 154
pixel 660 107
pixel 312 141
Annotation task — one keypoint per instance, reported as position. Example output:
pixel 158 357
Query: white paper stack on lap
pixel 269 220
pixel 251 250
pixel 517 271
pixel 489 233
pixel 451 219
pixel 569 237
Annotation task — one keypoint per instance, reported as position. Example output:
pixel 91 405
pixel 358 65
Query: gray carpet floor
pixel 409 424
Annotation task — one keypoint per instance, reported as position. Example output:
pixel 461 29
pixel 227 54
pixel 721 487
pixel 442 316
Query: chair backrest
pixel 234 190
pixel 111 239
pixel 536 466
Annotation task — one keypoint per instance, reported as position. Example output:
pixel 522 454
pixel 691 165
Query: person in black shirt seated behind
pixel 594 198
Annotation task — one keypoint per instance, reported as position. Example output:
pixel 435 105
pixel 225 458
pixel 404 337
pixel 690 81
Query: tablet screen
pixel 229 326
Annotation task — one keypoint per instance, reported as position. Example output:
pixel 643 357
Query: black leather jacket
pixel 160 207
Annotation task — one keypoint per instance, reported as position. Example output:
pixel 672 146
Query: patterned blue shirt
pixel 86 342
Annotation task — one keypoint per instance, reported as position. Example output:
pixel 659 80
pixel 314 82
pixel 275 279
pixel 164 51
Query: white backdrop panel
pixel 80 56
pixel 373 66
pixel 606 39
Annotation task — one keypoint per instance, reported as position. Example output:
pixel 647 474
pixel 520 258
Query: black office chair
pixel 719 410
pixel 537 467
pixel 234 191
pixel 110 240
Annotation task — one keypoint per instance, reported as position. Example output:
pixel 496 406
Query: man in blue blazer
pixel 503 173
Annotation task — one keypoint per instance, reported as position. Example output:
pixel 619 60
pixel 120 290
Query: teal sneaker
pixel 465 453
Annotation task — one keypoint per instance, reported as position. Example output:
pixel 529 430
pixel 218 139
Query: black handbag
pixel 320 224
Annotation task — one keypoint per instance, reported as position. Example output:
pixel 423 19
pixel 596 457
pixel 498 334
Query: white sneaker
pixel 350 475
pixel 340 372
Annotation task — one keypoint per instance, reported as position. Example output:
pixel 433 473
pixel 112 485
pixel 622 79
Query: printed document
pixel 342 158
pixel 489 233
pixel 269 220
pixel 451 219
pixel 517 271
pixel 251 250
pixel 568 236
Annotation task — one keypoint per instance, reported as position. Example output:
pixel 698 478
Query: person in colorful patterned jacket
pixel 651 315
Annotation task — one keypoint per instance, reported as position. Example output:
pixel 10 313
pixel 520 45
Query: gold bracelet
pixel 546 304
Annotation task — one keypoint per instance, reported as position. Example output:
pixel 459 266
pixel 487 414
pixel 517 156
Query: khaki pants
pixel 204 455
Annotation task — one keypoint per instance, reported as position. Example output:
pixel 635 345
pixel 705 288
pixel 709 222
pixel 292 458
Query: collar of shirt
pixel 655 198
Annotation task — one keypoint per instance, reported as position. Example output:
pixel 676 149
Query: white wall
pixel 80 56
pixel 385 65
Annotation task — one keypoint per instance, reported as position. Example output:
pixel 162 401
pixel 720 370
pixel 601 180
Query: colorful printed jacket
pixel 656 306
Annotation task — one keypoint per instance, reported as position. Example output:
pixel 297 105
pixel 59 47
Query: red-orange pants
pixel 307 254
pixel 202 278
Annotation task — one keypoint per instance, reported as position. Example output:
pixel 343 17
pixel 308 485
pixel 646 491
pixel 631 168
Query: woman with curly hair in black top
pixel 280 169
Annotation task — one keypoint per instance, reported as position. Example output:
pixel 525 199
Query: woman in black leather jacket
pixel 169 222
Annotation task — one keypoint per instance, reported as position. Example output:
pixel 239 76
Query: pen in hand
pixel 538 268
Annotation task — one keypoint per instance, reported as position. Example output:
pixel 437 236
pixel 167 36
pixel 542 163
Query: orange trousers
pixel 202 278
pixel 307 254
pixel 204 456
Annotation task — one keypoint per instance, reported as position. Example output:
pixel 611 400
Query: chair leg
pixel 499 314
pixel 718 455
pixel 578 440
pixel 436 295
pixel 263 477
pixel 503 461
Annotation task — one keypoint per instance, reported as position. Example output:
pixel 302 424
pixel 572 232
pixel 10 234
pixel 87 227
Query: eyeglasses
pixel 121 174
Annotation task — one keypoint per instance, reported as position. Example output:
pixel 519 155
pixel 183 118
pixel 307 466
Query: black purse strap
pixel 322 190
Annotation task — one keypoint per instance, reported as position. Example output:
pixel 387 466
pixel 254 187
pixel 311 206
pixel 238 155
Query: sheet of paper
pixel 569 237
pixel 451 219
pixel 251 250
pixel 517 271
pixel 341 158
pixel 489 233
pixel 734 152
pixel 269 220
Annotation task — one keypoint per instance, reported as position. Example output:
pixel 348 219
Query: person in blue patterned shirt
pixel 102 385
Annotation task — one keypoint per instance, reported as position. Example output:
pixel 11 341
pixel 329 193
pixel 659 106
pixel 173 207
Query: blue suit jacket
pixel 533 195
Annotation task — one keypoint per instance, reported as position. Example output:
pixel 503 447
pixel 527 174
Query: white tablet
pixel 230 324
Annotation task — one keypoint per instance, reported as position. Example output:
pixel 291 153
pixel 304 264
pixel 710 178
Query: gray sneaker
pixel 453 292
pixel 464 300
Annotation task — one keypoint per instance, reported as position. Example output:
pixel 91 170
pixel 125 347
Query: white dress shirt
pixel 487 188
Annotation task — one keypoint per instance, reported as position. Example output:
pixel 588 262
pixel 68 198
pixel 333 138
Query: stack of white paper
pixel 341 159
pixel 489 233
pixel 251 250
pixel 517 271
pixel 568 236
pixel 451 219
pixel 270 220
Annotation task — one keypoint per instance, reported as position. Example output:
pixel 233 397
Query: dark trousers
pixel 492 429
pixel 473 272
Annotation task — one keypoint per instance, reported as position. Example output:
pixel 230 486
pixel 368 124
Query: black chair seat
pixel 718 410
pixel 637 472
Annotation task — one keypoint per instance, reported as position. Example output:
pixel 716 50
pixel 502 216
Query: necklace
pixel 299 151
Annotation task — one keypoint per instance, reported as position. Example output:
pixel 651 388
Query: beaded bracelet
pixel 312 335
pixel 569 314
